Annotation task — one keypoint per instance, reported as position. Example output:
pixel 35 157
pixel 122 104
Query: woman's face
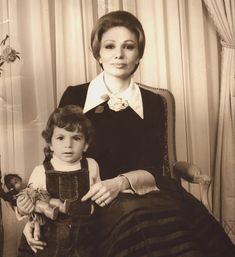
pixel 119 52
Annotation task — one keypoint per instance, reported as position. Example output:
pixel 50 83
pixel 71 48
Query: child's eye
pixel 77 138
pixel 60 138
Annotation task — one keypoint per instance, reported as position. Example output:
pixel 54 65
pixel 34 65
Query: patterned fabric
pixel 146 226
pixel 169 222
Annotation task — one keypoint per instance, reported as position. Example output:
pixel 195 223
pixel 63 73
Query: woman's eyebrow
pixel 108 40
pixel 113 40
pixel 129 40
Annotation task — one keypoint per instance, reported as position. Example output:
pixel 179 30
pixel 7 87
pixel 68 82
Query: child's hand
pixel 25 205
pixel 32 235
pixel 36 232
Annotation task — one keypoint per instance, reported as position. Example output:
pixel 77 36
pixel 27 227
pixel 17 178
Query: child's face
pixel 68 146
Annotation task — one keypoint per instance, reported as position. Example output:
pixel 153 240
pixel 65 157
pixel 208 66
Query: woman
pixel 140 212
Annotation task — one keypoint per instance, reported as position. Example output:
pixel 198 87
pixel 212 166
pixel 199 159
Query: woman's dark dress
pixel 169 222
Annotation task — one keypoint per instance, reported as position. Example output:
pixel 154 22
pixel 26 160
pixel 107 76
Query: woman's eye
pixel 60 138
pixel 129 47
pixel 109 46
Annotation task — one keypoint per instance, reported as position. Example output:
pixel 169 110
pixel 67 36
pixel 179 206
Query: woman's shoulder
pixel 149 91
pixel 74 95
pixel 82 88
pixel 150 96
pixel 76 88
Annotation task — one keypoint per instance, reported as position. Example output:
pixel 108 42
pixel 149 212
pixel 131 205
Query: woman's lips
pixel 119 65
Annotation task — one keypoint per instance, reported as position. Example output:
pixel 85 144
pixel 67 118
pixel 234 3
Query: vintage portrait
pixel 117 128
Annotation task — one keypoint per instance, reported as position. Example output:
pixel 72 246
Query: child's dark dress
pixel 69 235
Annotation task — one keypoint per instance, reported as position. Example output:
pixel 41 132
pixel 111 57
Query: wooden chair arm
pixel 192 174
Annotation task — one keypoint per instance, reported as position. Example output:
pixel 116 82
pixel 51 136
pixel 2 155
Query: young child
pixel 66 175
pixel 50 207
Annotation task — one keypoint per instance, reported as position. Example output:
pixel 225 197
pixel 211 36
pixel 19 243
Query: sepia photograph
pixel 117 123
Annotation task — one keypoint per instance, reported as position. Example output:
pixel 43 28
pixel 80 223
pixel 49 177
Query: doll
pixel 43 203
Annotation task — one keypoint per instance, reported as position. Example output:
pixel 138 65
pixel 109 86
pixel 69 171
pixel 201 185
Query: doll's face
pixel 16 184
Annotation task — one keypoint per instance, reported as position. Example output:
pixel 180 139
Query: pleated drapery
pixel 222 13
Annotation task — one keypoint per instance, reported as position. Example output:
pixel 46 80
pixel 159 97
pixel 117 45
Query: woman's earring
pixel 99 60
pixel 100 63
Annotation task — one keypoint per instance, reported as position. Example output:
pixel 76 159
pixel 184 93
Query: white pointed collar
pixel 97 90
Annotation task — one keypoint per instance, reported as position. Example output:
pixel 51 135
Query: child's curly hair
pixel 70 118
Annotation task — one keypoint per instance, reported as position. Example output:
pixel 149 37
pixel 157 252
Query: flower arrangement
pixel 8 54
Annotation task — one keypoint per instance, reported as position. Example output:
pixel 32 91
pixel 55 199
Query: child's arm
pixel 94 171
pixel 25 204
pixel 32 235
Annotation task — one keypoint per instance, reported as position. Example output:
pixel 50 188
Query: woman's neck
pixel 116 85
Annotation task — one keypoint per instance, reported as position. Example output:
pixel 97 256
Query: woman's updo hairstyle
pixel 116 19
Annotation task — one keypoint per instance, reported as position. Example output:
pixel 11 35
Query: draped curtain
pixel 53 36
pixel 222 13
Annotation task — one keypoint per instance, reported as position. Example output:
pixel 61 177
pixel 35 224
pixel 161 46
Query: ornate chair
pixel 179 169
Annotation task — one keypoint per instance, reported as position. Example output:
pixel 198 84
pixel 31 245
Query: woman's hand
pixel 25 205
pixel 32 235
pixel 104 192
